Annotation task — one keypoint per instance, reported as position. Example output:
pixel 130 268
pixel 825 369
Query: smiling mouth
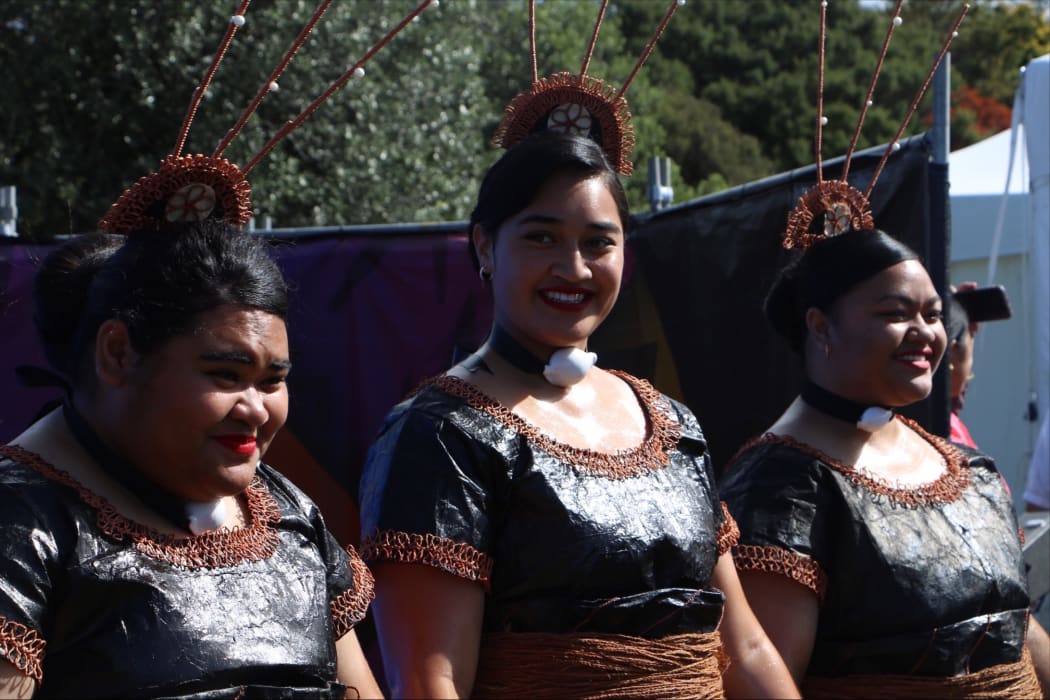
pixel 565 299
pixel 241 444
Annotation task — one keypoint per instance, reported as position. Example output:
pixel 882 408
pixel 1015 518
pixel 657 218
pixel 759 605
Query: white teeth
pixel 913 358
pixel 563 298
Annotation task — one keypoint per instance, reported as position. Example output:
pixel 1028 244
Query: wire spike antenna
pixel 895 22
pixel 895 143
pixel 594 37
pixel 532 41
pixel 356 70
pixel 820 88
pixel 675 4
pixel 198 187
pixel 271 82
pixel 236 22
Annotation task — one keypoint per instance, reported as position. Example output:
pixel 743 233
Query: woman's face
pixel 557 264
pixel 202 410
pixel 885 337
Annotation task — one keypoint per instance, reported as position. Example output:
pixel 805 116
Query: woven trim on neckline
pixel 728 532
pixel 209 550
pixel 662 430
pixel 23 647
pixel 946 488
pixel 351 605
pixel 457 558
pixel 778 560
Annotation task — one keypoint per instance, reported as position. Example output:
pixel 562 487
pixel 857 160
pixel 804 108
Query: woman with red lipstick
pixel 541 527
pixel 879 558
pixel 147 550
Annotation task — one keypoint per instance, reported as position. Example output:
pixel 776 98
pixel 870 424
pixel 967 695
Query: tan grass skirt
pixel 599 666
pixel 1014 681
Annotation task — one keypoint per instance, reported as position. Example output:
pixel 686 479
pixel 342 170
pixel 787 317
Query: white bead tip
pixel 359 72
pixel 823 121
pixel 273 86
pixel 237 20
pixel 898 21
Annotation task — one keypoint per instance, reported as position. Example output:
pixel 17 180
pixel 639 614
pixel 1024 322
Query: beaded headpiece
pixel 843 207
pixel 578 104
pixel 198 187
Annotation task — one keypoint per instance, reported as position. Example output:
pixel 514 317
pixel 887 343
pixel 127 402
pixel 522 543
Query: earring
pixel 827 351
pixel 485 274
pixel 951 367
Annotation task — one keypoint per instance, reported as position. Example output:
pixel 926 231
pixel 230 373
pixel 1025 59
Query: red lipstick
pixel 241 444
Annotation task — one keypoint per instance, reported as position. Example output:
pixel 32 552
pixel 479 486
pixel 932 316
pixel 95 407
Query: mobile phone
pixel 985 303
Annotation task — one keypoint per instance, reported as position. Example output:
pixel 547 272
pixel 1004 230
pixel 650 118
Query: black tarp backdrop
pixel 706 267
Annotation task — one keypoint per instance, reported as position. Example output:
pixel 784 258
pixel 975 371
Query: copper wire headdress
pixel 844 207
pixel 198 187
pixel 579 104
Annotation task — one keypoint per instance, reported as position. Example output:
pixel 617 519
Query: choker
pixel 867 418
pixel 567 366
pixel 197 517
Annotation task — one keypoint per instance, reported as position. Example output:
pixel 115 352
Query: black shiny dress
pixel 564 540
pixel 95 605
pixel 925 581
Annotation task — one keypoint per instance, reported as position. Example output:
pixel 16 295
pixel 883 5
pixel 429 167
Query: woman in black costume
pixel 878 557
pixel 553 531
pixel 147 550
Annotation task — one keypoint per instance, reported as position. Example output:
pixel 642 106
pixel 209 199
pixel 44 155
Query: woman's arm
pixel 1039 647
pixel 429 625
pixel 353 670
pixel 755 668
pixel 788 612
pixel 14 683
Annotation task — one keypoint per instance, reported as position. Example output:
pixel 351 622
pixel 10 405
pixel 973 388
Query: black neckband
pixel 504 345
pixel 832 404
pixel 158 499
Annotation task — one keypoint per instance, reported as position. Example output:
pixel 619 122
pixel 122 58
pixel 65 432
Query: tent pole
pixel 938 244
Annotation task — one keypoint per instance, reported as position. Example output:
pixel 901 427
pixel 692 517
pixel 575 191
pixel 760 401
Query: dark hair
pixel 158 282
pixel 827 270
pixel 957 323
pixel 515 180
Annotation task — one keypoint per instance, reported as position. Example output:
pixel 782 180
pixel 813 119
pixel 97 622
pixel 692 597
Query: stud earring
pixel 485 274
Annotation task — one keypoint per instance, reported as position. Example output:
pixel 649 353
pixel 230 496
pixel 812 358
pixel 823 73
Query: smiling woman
pixel 858 546
pixel 147 548
pixel 568 541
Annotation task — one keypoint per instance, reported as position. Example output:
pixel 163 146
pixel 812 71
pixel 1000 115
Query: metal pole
pixel 9 211
pixel 939 243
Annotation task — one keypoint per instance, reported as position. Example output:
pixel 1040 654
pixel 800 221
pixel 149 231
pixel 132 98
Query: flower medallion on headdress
pixel 834 207
pixel 189 188
pixel 577 104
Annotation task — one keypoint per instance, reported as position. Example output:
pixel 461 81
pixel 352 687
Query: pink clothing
pixel 959 432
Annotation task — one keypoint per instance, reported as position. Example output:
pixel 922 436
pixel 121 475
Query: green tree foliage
pixel 95 91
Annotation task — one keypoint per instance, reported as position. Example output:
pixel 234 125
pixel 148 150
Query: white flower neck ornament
pixel 569 366
pixel 566 366
pixel 203 516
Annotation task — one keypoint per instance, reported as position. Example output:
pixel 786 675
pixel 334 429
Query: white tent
pixel 1000 208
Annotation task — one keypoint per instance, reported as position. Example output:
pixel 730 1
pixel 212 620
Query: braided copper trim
pixel 948 487
pixel 209 550
pixel 456 558
pixel 663 431
pixel 822 199
pixel 137 206
pixel 351 606
pixel 778 560
pixel 23 647
pixel 728 532
pixel 598 97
